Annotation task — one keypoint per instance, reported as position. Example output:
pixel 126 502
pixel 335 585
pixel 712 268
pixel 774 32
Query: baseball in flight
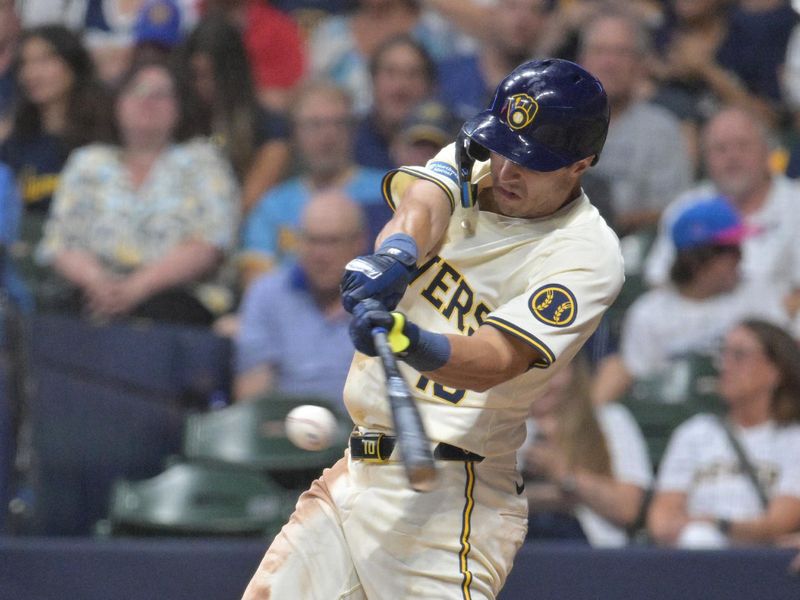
pixel 311 427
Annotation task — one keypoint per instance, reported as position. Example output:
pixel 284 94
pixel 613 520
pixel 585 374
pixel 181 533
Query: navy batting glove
pixel 367 315
pixel 382 276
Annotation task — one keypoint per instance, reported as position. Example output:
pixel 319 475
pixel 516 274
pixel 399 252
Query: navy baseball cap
pixel 158 22
pixel 708 222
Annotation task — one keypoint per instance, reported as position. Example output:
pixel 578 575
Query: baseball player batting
pixel 499 269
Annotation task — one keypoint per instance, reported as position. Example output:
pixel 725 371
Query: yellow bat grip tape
pixel 398 341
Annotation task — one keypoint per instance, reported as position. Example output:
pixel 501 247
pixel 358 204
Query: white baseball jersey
pixel 545 281
pixel 361 531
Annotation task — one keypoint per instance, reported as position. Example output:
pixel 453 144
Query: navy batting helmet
pixel 546 114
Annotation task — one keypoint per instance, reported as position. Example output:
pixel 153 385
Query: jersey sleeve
pixel 441 170
pixel 564 302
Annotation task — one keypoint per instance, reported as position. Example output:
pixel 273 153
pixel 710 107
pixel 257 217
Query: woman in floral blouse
pixel 140 228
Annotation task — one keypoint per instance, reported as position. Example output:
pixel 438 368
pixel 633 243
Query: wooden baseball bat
pixel 414 443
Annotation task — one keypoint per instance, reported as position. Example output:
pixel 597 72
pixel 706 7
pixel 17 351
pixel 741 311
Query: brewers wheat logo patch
pixel 554 305
pixel 520 111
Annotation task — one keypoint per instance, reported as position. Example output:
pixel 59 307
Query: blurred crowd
pixel 216 163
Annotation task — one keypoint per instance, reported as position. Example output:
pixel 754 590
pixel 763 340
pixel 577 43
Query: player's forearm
pixel 424 214
pixel 481 361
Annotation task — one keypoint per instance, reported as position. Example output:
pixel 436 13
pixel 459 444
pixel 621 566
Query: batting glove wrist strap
pixel 401 246
pixel 430 352
pixel 424 350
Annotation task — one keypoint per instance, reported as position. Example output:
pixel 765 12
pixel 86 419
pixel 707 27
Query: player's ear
pixel 578 167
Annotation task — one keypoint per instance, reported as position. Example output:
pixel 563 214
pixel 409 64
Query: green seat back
pixel 252 435
pixel 191 498
pixel 661 403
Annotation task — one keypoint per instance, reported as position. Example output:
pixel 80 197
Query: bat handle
pixel 414 444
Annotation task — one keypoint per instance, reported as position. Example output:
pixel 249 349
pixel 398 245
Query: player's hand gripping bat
pixel 414 443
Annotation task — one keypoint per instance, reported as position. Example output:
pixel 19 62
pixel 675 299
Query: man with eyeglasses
pixel 293 336
pixel 322 132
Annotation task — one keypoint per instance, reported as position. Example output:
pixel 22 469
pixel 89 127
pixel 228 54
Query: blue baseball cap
pixel 708 222
pixel 158 22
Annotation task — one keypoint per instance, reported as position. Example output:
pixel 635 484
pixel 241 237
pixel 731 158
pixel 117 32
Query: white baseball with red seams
pixel 311 427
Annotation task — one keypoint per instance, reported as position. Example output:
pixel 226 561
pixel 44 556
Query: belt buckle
pixel 371 446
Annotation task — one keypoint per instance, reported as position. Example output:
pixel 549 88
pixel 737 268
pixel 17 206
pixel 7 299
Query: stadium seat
pixel 199 499
pixel 251 435
pixel 173 362
pixel 84 436
pixel 661 403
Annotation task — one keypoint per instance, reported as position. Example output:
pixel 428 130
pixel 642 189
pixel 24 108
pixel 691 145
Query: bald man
pixel 293 336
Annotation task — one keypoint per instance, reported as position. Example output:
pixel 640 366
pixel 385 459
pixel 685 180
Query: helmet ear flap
pixel 467 152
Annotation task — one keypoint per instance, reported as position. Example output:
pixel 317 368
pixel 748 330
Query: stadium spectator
pixel 274 44
pixel 139 228
pixel 342 46
pixel 767 26
pixel 697 56
pixel 428 129
pixel 790 86
pixel 735 149
pixel 692 314
pixel 9 40
pixel 156 31
pixel 293 334
pixel 586 469
pixel 323 129
pixel 562 36
pixel 402 76
pixel 706 493
pixel 254 139
pixel 645 157
pixel 512 30
pixel 60 106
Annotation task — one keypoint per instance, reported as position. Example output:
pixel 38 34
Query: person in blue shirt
pixel 293 337
pixel 322 122
pixel 403 75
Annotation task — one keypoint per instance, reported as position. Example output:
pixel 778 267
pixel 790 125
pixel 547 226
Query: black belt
pixel 377 447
